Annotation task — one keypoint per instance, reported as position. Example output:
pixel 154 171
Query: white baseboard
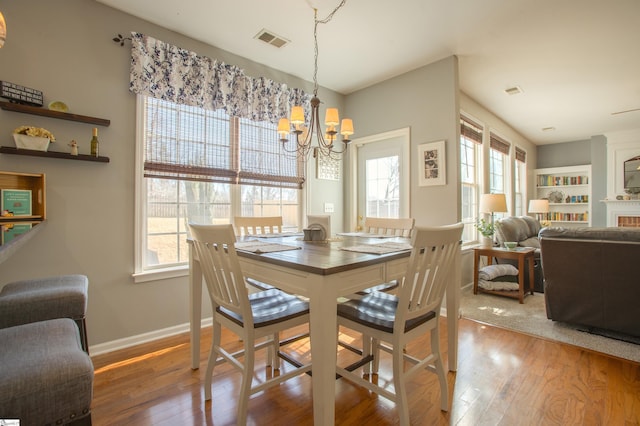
pixel 127 342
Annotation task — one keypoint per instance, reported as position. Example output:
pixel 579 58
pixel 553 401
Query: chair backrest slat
pixel 256 225
pixel 214 246
pixel 400 227
pixel 433 255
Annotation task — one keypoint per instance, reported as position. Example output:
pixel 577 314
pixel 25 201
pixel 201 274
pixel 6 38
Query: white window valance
pixel 170 73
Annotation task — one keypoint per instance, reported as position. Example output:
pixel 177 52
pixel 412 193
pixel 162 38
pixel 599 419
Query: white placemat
pixel 365 235
pixel 380 248
pixel 263 247
pixel 278 235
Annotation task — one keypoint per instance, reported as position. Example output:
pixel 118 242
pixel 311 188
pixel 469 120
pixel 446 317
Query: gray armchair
pixel 524 231
pixel 46 375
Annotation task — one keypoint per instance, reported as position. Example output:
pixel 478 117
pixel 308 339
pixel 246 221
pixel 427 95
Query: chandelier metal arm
pixel 304 137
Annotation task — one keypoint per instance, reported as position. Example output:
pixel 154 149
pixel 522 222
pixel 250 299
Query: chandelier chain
pixel 315 40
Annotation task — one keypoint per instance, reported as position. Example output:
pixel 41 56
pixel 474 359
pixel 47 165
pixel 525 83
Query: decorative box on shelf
pixel 31 142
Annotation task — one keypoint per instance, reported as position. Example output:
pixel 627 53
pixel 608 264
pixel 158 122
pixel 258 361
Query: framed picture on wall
pixel 432 164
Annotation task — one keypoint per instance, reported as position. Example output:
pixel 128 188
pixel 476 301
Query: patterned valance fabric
pixel 170 73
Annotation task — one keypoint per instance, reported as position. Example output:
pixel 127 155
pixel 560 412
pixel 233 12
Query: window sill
pixel 161 274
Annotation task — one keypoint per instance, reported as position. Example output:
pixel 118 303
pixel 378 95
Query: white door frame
pixel 405 178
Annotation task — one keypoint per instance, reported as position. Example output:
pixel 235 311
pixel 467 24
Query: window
pixel 498 156
pixel 383 187
pixel 470 151
pixel 202 166
pixel 520 167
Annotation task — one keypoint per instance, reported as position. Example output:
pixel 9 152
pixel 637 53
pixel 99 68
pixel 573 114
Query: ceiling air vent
pixel 513 90
pixel 271 38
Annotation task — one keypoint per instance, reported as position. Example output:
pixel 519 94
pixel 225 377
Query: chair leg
pixel 82 326
pixel 440 371
pixel 275 348
pixel 211 363
pixel 402 404
pixel 247 378
pixel 366 351
pixel 375 349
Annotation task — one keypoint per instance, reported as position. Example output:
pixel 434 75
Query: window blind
pixel 521 155
pixel 499 144
pixel 470 129
pixel 190 143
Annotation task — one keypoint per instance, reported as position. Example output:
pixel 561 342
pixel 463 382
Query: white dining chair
pixel 389 322
pixel 400 227
pixel 257 319
pixel 257 225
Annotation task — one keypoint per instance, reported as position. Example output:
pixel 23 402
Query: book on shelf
pixel 15 202
pixel 553 180
pixel 13 230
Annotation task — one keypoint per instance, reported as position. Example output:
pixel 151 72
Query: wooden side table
pixel 520 254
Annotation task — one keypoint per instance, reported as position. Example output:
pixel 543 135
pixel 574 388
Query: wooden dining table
pixel 323 272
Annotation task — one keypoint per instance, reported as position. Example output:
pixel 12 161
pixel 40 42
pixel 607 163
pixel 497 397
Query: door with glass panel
pixel 382 178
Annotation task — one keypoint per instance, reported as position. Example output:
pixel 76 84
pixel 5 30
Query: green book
pixel 12 230
pixel 16 202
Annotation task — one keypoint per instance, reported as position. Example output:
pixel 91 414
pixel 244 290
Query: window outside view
pixel 383 187
pixel 193 159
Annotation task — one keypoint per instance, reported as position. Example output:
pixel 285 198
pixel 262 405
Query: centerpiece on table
pixel 31 137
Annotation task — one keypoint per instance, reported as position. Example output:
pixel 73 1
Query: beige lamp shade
pixel 538 206
pixel 347 127
pixel 332 117
pixel 493 203
pixel 283 127
pixel 297 115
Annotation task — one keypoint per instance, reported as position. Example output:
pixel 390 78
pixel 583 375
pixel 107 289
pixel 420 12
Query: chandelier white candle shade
pixel 303 134
pixel 3 30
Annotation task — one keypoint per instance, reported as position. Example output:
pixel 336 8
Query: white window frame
pixel 141 273
pixel 475 186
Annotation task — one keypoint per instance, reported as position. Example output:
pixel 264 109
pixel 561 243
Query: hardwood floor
pixel 503 378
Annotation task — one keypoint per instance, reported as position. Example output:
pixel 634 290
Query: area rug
pixel 531 318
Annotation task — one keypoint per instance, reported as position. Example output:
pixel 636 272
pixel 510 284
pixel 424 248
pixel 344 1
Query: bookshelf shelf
pixel 568 190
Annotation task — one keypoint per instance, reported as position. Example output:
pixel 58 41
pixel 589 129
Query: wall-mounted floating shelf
pixel 51 154
pixel 26 109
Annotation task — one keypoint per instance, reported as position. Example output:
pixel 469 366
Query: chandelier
pixel 304 135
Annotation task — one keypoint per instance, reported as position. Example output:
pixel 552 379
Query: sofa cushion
pixel 530 242
pixel 517 228
pixel 46 376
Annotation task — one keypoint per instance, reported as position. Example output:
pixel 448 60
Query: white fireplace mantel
pixel 620 147
pixel 617 208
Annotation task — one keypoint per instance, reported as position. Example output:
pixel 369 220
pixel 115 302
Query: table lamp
pixel 539 207
pixel 493 203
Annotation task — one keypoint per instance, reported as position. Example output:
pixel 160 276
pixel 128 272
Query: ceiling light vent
pixel 548 129
pixel 513 90
pixel 271 38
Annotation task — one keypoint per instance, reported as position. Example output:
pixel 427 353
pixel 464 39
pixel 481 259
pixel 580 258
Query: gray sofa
pixel 523 230
pixel 591 277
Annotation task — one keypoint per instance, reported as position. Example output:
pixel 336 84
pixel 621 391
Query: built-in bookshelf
pixel 568 190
